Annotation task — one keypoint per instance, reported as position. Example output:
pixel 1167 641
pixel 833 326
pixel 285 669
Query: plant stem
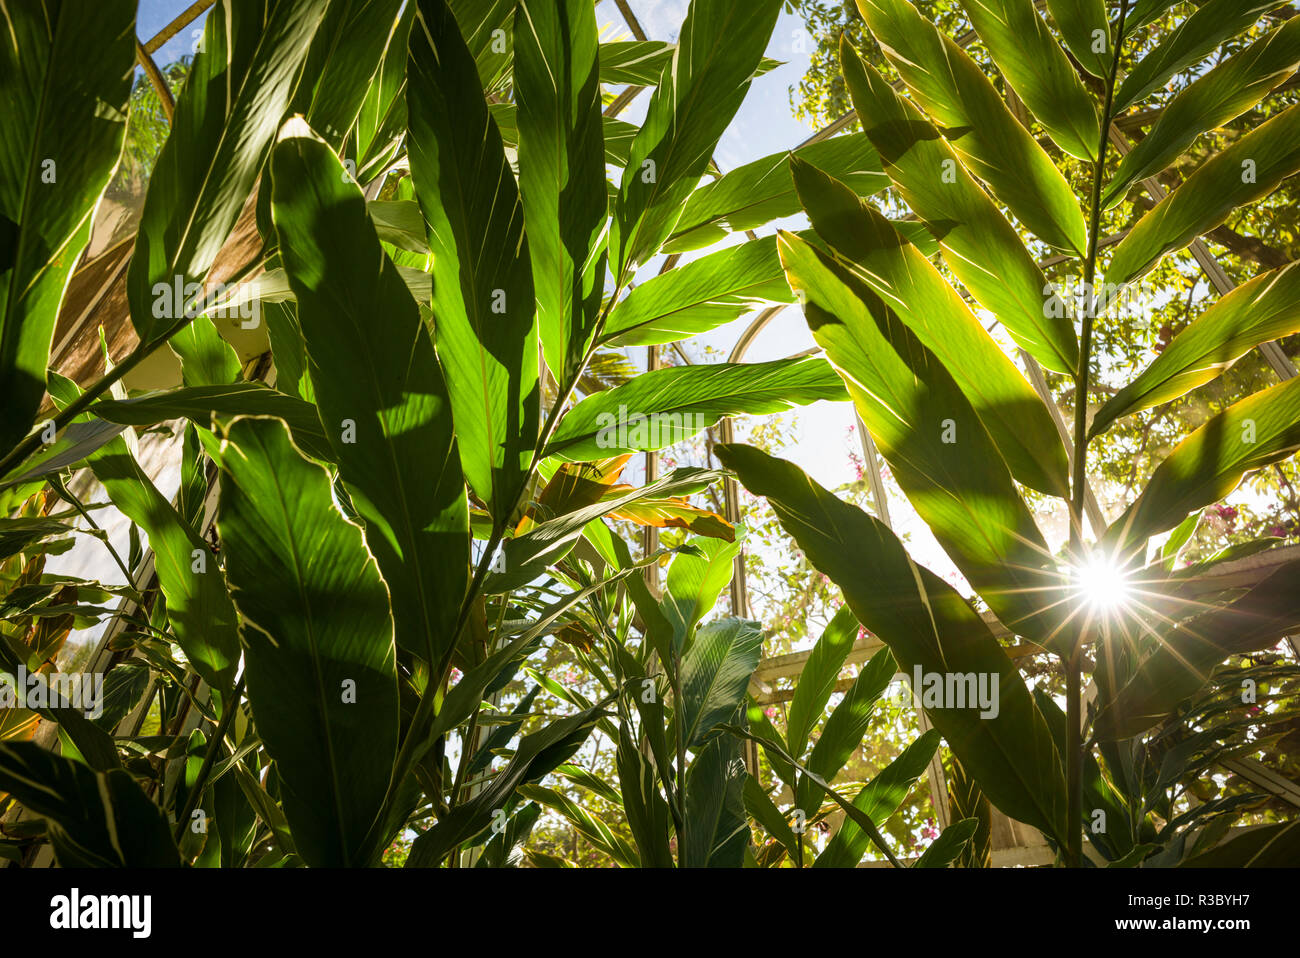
pixel 679 720
pixel 1073 703
pixel 214 746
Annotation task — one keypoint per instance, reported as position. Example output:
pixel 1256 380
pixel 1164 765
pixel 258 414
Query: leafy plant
pixel 961 427
pixel 422 494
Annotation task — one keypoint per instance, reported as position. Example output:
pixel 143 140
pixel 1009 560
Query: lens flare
pixel 1101 584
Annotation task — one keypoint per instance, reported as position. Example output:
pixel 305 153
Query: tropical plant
pixel 963 430
pixel 313 667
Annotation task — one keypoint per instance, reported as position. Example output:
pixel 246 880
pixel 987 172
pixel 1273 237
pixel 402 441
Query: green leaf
pixel 65 79
pixel 927 625
pixel 648 816
pixel 715 672
pixel 1222 94
pixel 952 89
pixel 639 62
pixel 525 557
pixel 947 847
pixel 399 222
pixel 702 295
pixel 1261 429
pixel 961 488
pixel 694 581
pixel 879 799
pixel 844 730
pixel 817 680
pixel 1117 840
pixel 1269 846
pixel 764 811
pixel 239 87
pixel 318 640
pixel 1241 174
pixel 561 172
pixel 1262 310
pixel 202 404
pixel 717 828
pixel 206 358
pixel 1188 652
pixel 1035 66
pixel 763 190
pixel 538 754
pixel 1016 419
pixel 1143 12
pixel 1191 40
pixel 198 606
pixel 1079 21
pixel 384 380
pixel 978 243
pixel 95 819
pixel 345 53
pixel 718 49
pixel 667 406
pixel 642 62
pixel 483 298
pixel 381 120
pixel 588 825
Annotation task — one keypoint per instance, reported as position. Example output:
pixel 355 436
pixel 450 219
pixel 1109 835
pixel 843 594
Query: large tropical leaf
pixel 200 404
pixel 715 672
pixel 916 293
pixel 1249 169
pixel 695 580
pixel 952 89
pixel 65 78
pixel 1187 652
pixel 240 85
pixel 1079 22
pixel 561 172
pixel 318 639
pixel 926 624
pixel 1257 431
pixel 720 45
pixel 1192 39
pixel 381 120
pixel 344 55
pixel 817 680
pixel 1266 308
pixel 702 295
pixel 844 730
pixel 1225 92
pixel 198 605
pixel 936 446
pixel 94 819
pixel 763 190
pixel 879 799
pixel 398 456
pixel 1036 67
pixel 717 828
pixel 538 753
pixel 483 296
pixel 979 245
pixel 666 406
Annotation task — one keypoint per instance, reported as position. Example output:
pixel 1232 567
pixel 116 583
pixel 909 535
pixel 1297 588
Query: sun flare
pixel 1101 584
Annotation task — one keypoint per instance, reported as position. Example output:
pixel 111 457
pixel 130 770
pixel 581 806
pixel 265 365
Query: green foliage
pixel 411 607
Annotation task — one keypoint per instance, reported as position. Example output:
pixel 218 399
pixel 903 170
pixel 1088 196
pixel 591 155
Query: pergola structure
pixel 96 300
